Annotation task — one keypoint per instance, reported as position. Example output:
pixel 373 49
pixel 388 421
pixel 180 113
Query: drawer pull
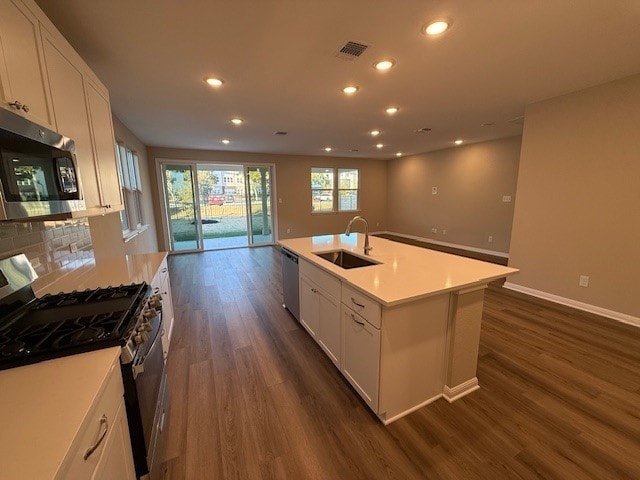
pixel 156 290
pixel 164 270
pixel 356 303
pixel 353 317
pixel 91 449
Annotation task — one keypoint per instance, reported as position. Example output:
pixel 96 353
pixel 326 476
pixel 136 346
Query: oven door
pixel 148 373
pixel 144 380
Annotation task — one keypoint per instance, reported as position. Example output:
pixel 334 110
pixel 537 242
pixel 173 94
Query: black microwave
pixel 38 174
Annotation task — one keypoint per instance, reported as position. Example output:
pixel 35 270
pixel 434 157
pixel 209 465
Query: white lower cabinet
pixel 309 315
pixel 329 336
pixel 320 315
pixel 116 460
pixel 102 448
pixel 361 356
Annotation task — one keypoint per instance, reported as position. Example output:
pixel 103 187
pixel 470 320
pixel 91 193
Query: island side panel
pixel 463 340
pixel 412 355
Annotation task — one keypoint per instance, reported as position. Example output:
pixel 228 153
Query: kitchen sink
pixel 345 259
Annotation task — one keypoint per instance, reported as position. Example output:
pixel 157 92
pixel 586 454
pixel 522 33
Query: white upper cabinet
pixel 43 78
pixel 104 146
pixel 72 117
pixel 23 85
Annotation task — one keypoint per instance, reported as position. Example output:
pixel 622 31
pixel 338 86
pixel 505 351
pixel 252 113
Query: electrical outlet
pixel 490 238
pixel 279 200
pixel 434 190
pixel 377 224
pixel 506 198
pixel 434 230
pixel 583 281
pixel 444 231
pixel 288 230
pixel 73 247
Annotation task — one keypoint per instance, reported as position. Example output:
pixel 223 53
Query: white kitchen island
pixel 405 331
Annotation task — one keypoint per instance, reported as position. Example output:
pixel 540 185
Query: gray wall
pixel 471 181
pixel 578 206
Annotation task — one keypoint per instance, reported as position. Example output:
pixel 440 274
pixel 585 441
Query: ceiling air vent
pixel 351 50
pixel 279 132
pixel 423 130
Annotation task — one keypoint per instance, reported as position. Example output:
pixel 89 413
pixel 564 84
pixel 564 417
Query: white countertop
pixel 405 272
pixel 42 407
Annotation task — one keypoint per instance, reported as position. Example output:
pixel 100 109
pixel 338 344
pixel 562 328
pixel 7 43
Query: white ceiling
pixel 278 60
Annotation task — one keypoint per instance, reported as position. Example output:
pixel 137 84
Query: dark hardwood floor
pixel 253 396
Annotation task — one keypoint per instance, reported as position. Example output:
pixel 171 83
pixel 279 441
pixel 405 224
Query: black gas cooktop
pixel 69 323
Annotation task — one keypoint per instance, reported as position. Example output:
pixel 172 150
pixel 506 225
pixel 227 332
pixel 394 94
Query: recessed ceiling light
pixel 225 141
pixel 437 27
pixel 374 133
pixel 327 149
pixel 214 82
pixel 392 110
pixel 383 65
pixel 237 121
pixel 398 154
pixel 379 145
pixel 350 89
pixel 458 142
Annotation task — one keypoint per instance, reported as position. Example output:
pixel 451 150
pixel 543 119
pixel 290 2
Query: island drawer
pixel 322 279
pixel 361 304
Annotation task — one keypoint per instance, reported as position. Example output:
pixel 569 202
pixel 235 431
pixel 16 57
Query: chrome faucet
pixel 367 247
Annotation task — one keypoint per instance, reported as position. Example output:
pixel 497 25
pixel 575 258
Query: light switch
pixel 434 190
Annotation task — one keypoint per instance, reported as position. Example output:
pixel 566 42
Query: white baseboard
pixel 446 244
pixel 387 421
pixel 620 317
pixel 454 393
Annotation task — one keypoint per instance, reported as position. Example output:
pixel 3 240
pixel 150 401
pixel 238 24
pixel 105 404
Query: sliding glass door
pixel 259 205
pixel 211 206
pixel 180 201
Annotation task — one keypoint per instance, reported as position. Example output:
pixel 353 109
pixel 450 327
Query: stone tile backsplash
pixel 48 244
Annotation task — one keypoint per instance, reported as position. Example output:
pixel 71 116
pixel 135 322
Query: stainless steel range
pixel 36 329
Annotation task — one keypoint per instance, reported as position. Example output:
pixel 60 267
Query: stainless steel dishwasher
pixel 290 283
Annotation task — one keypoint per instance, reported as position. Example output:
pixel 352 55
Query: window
pixel 131 218
pixel 334 189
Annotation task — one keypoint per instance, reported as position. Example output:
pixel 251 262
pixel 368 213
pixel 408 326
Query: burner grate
pixel 67 323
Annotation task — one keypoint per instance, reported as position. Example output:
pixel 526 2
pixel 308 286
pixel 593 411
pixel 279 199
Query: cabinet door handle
pixel 91 449
pixel 164 270
pixel 356 303
pixel 25 108
pixel 156 290
pixel 353 317
pixel 17 105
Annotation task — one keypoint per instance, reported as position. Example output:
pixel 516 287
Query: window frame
pixel 334 189
pixel 132 215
